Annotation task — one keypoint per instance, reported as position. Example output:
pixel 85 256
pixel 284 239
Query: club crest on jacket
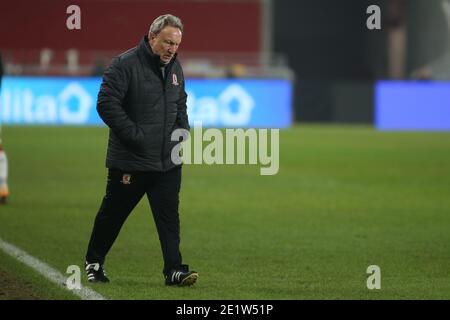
pixel 174 79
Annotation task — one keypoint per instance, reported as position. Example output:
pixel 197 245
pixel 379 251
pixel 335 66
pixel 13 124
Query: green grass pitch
pixel 345 197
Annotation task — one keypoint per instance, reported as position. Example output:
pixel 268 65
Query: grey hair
pixel 165 20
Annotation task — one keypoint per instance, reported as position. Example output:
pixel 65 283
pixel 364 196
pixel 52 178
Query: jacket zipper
pixel 164 127
pixel 164 82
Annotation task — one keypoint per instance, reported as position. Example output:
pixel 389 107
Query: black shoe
pixel 95 272
pixel 181 277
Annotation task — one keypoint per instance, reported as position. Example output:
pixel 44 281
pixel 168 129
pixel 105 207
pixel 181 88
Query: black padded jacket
pixel 142 109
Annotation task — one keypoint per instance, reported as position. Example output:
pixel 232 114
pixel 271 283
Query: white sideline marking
pixel 48 272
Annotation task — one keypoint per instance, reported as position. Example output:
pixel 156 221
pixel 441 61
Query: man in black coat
pixel 142 100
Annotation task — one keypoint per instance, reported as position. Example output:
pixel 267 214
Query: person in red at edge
pixel 4 191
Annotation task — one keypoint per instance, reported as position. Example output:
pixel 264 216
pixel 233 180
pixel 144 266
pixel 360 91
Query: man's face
pixel 165 43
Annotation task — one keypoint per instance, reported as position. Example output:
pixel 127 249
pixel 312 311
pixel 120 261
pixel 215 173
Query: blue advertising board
pixel 412 105
pixel 216 103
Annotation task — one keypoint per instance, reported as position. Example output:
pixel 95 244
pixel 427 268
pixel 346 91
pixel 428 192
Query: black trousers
pixel 123 192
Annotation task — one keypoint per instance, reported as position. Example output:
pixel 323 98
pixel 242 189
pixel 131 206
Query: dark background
pixel 336 59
